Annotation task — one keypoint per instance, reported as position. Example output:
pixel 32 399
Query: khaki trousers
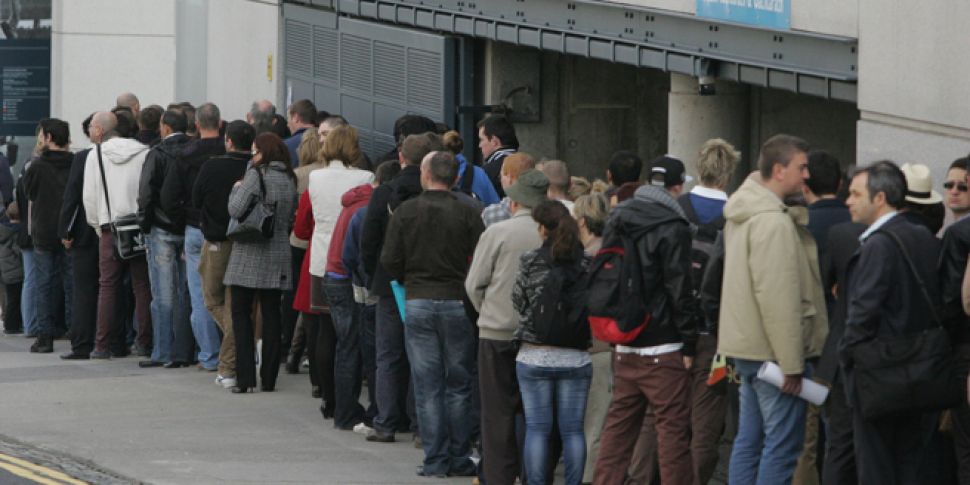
pixel 212 267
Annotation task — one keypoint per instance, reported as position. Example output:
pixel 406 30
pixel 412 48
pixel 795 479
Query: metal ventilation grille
pixel 383 143
pixel 325 53
pixel 355 63
pixel 424 79
pixel 298 47
pixel 366 141
pixel 388 69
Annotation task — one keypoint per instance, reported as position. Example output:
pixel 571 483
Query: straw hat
pixel 919 184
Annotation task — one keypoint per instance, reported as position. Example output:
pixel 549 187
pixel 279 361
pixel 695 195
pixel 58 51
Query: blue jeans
pixel 558 392
pixel 170 302
pixel 52 274
pixel 368 341
pixel 441 345
pixel 771 430
pixel 28 314
pixel 203 325
pixel 347 365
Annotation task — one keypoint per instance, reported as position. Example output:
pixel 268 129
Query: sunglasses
pixel 959 186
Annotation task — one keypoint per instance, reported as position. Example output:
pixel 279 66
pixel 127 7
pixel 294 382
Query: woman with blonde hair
pixel 716 163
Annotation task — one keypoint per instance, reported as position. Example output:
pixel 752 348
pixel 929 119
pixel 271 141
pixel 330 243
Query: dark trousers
pixel 838 467
pixel 891 451
pixel 242 327
pixel 368 355
pixel 320 343
pixel 501 411
pixel 85 312
pixel 961 424
pixel 112 270
pixel 288 313
pixel 347 359
pixel 52 298
pixel 12 319
pixel 393 371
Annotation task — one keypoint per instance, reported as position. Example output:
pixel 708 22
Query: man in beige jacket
pixel 772 309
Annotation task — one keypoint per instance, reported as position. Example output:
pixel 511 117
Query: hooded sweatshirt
pixel 352 200
pixel 774 307
pixel 44 184
pixel 123 160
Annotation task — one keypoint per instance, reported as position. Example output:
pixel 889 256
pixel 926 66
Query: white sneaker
pixel 259 352
pixel 225 382
pixel 362 429
pixel 305 364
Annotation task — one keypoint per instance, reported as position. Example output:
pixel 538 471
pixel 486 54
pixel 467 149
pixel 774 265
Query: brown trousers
pixel 707 413
pixel 212 267
pixel 662 383
pixel 112 269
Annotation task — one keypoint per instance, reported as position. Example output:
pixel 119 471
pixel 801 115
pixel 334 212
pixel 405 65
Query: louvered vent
pixel 424 80
pixel 389 70
pixel 366 141
pixel 383 143
pixel 355 62
pixel 325 53
pixel 298 59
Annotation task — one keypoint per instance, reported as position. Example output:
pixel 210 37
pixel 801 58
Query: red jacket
pixel 303 229
pixel 352 200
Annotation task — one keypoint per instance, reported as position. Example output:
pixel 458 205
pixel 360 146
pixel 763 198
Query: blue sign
pixel 25 85
pixel 775 14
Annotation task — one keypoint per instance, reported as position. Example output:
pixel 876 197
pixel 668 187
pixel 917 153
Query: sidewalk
pixel 174 426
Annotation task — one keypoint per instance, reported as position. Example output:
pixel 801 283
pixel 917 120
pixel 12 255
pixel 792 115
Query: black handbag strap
pixel 919 280
pixel 104 183
pixel 262 195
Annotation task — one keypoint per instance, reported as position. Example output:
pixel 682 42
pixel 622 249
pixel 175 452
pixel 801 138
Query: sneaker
pixel 363 429
pixel 225 382
pixel 259 352
pixel 305 364
pixel 378 437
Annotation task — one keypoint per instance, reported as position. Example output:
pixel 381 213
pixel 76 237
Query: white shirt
pixel 876 225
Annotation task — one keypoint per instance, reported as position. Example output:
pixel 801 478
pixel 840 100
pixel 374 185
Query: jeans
pixel 203 325
pixel 27 305
pixel 170 302
pixel 771 431
pixel 52 269
pixel 368 315
pixel 549 392
pixel 392 368
pixel 441 344
pixel 347 360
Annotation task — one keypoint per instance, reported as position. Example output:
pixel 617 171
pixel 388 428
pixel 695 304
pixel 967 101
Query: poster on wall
pixel 25 65
pixel 773 14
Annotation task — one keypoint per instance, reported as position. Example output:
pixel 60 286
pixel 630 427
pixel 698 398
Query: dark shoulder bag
pixel 909 373
pixel 129 240
pixel 258 220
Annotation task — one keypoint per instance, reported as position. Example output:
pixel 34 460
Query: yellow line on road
pixel 30 468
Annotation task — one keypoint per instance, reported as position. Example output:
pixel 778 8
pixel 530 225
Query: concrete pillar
pixel 693 119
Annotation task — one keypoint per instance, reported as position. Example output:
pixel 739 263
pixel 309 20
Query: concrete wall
pixel 101 48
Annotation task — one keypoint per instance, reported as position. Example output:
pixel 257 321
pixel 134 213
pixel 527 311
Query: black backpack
pixel 559 312
pixel 617 310
pixel 703 246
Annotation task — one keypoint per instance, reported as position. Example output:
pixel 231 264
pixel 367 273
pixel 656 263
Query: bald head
pixel 103 126
pixel 129 100
pixel 558 174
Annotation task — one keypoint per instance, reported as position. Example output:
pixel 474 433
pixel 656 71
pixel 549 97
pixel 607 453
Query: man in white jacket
pixel 121 160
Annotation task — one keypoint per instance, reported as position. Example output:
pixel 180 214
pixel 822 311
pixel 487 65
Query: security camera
pixel 706 85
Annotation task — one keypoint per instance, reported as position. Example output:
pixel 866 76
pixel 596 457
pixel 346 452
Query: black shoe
pixel 100 355
pixel 421 473
pixel 43 345
pixel 176 365
pixel 241 390
pixel 327 411
pixel 378 437
pixel 145 364
pixel 74 356
pixel 141 351
pixel 267 389
pixel 292 365
pixel 315 392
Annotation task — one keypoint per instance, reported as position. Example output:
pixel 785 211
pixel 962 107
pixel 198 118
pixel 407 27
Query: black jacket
pixel 44 185
pixel 953 263
pixel 159 161
pixel 23 206
pixel 148 137
pixel 385 199
pixel 493 168
pixel 843 242
pixel 663 240
pixel 176 194
pixel 73 223
pixel 210 193
pixel 883 296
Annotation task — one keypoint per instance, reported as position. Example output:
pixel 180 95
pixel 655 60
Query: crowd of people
pixel 511 315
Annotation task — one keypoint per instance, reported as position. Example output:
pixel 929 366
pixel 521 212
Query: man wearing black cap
pixel 669 173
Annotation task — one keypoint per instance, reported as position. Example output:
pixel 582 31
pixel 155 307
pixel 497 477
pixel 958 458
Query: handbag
pixel 129 240
pixel 910 373
pixel 258 220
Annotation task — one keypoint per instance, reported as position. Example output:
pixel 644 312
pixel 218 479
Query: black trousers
pixel 501 412
pixel 892 451
pixel 288 313
pixel 84 314
pixel 242 326
pixel 321 341
pixel 12 318
pixel 838 467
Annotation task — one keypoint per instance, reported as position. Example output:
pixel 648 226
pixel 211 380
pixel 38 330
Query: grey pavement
pixel 174 426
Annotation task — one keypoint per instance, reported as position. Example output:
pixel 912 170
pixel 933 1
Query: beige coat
pixel 772 302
